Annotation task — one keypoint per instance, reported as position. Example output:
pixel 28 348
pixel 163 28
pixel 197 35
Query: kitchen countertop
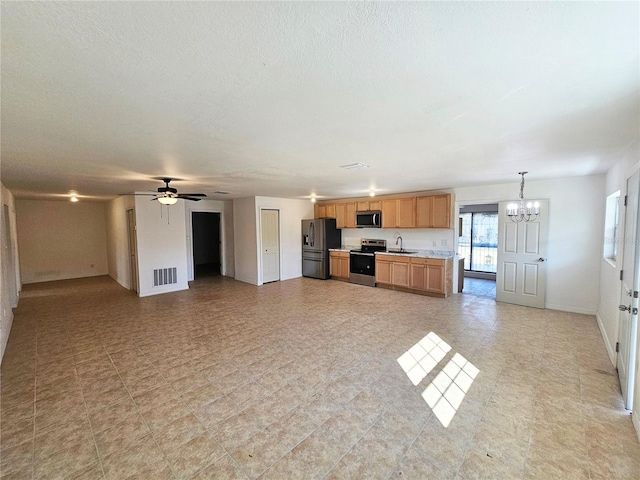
pixel 341 249
pixel 422 254
pixel 416 253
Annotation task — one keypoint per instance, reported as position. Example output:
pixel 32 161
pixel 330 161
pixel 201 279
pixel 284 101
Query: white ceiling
pixel 271 98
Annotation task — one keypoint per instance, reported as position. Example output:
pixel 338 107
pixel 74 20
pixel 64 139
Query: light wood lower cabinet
pixel 429 276
pixel 339 265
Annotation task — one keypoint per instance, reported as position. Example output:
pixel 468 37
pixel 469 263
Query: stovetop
pixel 370 245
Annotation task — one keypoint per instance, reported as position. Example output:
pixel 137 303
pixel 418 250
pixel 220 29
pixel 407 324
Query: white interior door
pixel 521 271
pixel 270 245
pixel 133 249
pixel 627 331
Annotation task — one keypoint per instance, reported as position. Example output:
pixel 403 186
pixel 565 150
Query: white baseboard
pixel 564 308
pixel 636 423
pixel 165 289
pixel 613 356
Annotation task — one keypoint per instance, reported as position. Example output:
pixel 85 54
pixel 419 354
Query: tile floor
pixel 304 379
pixel 480 287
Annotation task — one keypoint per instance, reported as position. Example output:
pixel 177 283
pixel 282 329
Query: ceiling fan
pixel 168 195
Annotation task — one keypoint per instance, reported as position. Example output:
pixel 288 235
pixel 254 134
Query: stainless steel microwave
pixel 372 219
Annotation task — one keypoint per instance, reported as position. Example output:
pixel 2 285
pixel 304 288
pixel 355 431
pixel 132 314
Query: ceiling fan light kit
pixel 523 211
pixel 169 196
pixel 167 200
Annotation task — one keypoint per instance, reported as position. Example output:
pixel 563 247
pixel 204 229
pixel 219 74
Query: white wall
pixel 610 284
pixel 225 208
pixel 576 220
pixel 60 240
pixel 245 240
pixel 161 244
pixel 119 264
pixel 412 238
pixel 292 212
pixel 246 223
pixel 10 268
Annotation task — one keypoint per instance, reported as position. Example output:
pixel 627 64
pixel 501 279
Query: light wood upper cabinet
pixel 330 210
pixel 351 214
pixel 341 215
pixel 406 216
pixel 441 213
pixel 327 210
pixel 429 211
pixel 389 213
pixel 433 211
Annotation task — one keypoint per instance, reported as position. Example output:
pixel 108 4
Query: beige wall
pixel 60 240
pixel 118 239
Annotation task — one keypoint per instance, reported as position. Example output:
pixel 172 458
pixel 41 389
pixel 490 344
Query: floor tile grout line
pixel 35 399
pixel 93 434
pixel 192 412
pixel 138 410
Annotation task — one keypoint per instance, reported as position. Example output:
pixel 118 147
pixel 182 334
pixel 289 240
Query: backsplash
pixel 436 239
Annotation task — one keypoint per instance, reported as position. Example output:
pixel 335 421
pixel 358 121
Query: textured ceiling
pixel 271 98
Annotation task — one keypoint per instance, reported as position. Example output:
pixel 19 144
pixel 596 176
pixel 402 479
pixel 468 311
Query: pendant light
pixel 521 210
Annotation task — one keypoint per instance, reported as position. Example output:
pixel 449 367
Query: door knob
pixel 542 259
pixel 624 308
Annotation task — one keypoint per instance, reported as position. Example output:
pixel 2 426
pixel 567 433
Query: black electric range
pixel 362 261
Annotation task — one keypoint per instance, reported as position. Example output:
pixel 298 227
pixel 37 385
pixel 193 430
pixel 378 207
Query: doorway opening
pixel 133 250
pixel 206 244
pixel 9 270
pixel 478 245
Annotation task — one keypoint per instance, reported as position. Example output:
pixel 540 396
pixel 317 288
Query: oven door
pixel 362 264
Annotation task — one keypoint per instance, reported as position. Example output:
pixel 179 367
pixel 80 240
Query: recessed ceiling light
pixel 353 166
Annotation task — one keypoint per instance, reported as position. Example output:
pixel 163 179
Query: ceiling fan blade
pixel 189 198
pixel 193 194
pixel 154 194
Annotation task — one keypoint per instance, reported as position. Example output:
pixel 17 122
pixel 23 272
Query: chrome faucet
pixel 399 239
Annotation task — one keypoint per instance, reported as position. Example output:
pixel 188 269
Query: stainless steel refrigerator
pixel 318 236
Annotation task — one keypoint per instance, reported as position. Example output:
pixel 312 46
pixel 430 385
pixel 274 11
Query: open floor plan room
pixel 305 379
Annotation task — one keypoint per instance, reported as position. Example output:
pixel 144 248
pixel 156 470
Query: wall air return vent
pixel 165 276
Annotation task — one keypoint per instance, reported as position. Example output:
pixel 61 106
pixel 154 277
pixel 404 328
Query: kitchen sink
pixel 402 251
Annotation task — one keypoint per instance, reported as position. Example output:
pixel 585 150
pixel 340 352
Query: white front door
pixel 270 245
pixel 627 332
pixel 521 271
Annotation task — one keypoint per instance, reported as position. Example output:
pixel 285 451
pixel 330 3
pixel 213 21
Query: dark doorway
pixel 206 244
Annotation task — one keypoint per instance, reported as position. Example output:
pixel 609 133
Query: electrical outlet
pixel 435 244
pixel 444 243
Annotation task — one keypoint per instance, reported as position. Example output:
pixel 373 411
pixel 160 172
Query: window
pixel 612 227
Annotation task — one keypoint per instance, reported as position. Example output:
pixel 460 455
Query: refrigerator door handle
pixel 312 232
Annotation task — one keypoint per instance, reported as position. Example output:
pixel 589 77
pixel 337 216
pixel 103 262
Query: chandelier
pixel 519 211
